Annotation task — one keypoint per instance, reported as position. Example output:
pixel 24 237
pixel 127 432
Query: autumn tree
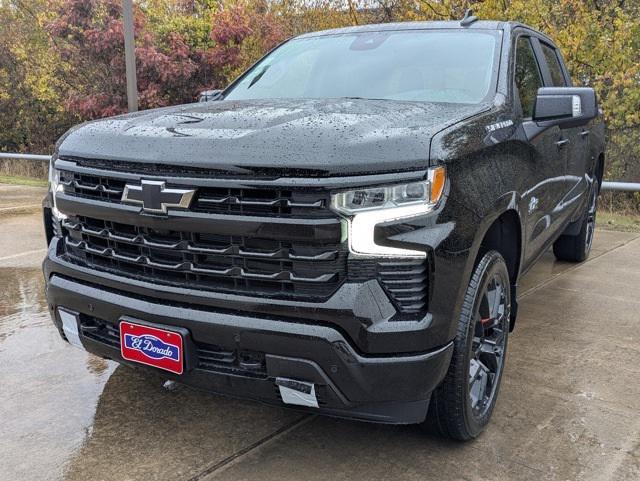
pixel 89 38
pixel 600 41
pixel 242 32
pixel 32 113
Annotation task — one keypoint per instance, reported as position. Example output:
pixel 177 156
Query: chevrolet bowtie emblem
pixel 155 198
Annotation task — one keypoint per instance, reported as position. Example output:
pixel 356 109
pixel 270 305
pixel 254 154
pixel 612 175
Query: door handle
pixel 562 143
pixel 585 133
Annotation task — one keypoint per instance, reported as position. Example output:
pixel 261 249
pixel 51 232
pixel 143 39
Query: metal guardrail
pixel 606 185
pixel 621 186
pixel 43 158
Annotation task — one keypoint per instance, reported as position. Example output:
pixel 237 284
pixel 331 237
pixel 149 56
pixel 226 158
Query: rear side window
pixel 557 77
pixel 528 79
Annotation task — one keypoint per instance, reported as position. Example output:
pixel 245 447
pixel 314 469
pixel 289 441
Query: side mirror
pixel 207 95
pixel 565 106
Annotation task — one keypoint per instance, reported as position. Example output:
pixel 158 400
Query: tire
pixel 457 409
pixel 576 248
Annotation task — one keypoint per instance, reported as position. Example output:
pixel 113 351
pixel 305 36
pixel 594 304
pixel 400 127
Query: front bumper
pixel 389 388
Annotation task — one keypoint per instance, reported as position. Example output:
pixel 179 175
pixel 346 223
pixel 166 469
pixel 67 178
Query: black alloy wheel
pixel 462 405
pixel 591 219
pixel 488 346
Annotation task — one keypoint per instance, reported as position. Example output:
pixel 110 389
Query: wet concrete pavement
pixel 15 199
pixel 568 409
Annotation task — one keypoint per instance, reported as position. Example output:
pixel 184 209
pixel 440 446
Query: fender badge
pixel 499 125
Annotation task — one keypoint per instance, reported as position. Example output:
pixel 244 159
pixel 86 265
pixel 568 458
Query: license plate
pixel 152 346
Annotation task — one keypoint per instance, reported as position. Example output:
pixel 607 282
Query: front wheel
pixel 462 405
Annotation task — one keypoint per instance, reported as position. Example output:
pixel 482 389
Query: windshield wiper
pixel 258 77
pixel 360 98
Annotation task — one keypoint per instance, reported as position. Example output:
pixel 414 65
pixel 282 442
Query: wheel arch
pixel 505 236
pixel 504 232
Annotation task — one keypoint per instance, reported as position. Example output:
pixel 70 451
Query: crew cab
pixel 341 230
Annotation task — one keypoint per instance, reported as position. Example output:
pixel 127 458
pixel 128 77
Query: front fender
pixel 508 202
pixel 456 257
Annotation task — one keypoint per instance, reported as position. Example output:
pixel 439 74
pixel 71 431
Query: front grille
pixel 235 264
pixel 99 331
pixel 215 359
pixel 256 263
pixel 308 203
pixel 209 357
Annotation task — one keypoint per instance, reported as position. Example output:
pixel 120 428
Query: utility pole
pixel 130 55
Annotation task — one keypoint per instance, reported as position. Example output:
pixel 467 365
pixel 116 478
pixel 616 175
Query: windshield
pixel 418 65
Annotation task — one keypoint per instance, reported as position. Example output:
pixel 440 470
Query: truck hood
pixel 286 137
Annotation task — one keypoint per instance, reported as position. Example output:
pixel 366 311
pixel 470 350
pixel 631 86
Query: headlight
pixel 365 208
pixel 55 186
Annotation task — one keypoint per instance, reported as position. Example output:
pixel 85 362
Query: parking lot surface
pixel 568 409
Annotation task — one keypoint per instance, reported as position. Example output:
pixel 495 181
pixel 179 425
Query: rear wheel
pixel 576 248
pixel 462 405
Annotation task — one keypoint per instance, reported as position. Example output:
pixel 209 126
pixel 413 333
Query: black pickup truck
pixel 341 230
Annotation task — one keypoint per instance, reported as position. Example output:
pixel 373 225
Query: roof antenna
pixel 468 19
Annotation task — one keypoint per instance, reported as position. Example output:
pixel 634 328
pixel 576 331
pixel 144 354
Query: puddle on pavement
pixel 66 414
pixel 21 299
pixel 41 425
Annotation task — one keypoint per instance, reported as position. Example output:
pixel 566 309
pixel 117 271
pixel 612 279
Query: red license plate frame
pixel 152 346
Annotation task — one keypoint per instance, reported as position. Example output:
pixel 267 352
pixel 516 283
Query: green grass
pixel 622 222
pixel 6 179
